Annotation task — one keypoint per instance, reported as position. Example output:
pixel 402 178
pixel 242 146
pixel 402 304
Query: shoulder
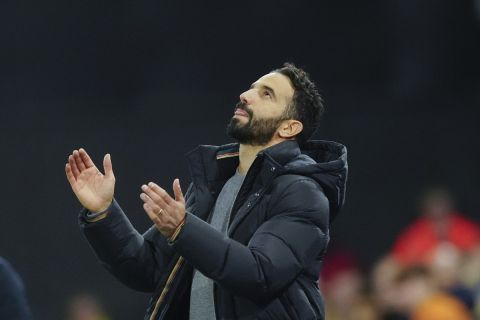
pixel 8 277
pixel 5 268
pixel 300 196
pixel 296 173
pixel 12 294
pixel 293 182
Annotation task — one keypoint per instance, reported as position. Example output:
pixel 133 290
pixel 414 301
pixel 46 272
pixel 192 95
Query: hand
pixel 93 189
pixel 167 213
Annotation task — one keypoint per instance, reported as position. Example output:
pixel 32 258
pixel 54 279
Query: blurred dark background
pixel 149 80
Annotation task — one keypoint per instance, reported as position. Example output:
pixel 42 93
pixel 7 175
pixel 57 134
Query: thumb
pixel 177 189
pixel 107 166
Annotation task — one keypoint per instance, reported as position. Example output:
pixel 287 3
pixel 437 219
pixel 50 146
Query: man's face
pixel 261 110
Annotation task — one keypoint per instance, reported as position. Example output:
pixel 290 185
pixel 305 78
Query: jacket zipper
pixel 170 279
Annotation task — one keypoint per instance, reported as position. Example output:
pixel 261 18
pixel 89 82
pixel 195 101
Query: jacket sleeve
pixel 284 245
pixel 136 260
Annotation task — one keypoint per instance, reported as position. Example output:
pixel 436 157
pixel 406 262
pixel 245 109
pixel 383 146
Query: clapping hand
pixel 93 189
pixel 165 212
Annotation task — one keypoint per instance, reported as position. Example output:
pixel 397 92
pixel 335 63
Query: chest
pixel 239 217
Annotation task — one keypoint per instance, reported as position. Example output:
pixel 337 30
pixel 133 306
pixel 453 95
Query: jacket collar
pixel 282 153
pixel 213 165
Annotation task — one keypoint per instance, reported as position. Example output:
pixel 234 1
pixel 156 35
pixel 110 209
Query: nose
pixel 246 97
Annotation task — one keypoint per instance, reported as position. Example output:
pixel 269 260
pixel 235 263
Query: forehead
pixel 279 83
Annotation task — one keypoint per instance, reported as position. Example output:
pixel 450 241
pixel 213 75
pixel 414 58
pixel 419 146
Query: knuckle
pixel 153 196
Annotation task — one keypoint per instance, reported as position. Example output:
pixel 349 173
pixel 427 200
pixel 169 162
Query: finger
pixel 152 215
pixel 177 190
pixel 70 177
pixel 107 166
pixel 80 165
pixel 87 161
pixel 73 166
pixel 161 192
pixel 156 199
pixel 146 199
pixel 158 218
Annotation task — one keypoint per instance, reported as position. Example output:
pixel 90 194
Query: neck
pixel 247 154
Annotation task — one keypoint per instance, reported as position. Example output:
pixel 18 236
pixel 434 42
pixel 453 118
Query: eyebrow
pixel 265 87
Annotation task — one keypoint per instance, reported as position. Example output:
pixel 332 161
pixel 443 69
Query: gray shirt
pixel 202 305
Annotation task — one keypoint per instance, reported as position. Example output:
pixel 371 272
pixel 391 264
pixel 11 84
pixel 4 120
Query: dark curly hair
pixel 307 105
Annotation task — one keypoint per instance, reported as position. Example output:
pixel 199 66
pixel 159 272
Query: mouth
pixel 241 113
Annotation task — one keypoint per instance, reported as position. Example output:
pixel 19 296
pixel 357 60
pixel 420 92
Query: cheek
pixel 268 110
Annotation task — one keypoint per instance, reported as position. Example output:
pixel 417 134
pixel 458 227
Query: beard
pixel 256 132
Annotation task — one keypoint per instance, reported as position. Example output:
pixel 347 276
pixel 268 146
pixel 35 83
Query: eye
pixel 267 94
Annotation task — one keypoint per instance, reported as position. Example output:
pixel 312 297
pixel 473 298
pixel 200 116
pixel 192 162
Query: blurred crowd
pixel 86 306
pixel 432 271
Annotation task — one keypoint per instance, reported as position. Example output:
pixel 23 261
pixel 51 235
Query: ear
pixel 289 129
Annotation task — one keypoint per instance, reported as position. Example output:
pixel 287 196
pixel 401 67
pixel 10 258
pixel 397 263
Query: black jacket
pixel 13 300
pixel 268 266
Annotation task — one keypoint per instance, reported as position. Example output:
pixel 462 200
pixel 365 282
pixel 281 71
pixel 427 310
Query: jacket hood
pixel 323 161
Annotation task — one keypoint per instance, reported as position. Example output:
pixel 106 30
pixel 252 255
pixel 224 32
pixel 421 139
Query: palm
pixel 93 189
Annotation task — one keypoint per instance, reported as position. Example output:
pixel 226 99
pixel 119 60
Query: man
pixel 13 300
pixel 440 231
pixel 248 238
